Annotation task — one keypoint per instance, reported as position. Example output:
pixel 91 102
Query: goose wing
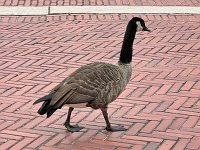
pixel 85 85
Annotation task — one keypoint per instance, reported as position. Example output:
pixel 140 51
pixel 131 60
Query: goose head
pixel 140 24
pixel 134 25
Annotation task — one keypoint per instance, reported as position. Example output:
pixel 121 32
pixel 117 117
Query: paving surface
pixel 99 2
pixel 160 106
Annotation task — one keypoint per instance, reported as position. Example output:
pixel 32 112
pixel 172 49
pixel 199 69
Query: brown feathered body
pixel 94 85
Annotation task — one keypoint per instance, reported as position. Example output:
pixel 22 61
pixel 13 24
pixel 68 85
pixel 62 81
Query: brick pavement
pixel 99 2
pixel 160 106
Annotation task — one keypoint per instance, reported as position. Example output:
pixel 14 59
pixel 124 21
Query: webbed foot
pixel 74 128
pixel 115 128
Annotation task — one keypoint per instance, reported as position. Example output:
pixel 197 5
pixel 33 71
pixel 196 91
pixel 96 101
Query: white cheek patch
pixel 139 26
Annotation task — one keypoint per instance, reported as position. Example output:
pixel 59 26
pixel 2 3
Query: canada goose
pixel 96 84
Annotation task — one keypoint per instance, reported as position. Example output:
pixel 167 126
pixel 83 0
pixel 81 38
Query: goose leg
pixel 70 128
pixel 109 127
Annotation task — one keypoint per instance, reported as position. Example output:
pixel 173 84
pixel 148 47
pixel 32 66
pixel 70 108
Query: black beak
pixel 146 29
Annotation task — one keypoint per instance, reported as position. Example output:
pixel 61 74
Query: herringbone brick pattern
pixel 160 107
pixel 99 2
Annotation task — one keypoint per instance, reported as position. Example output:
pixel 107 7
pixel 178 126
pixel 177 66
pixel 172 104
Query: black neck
pixel 126 51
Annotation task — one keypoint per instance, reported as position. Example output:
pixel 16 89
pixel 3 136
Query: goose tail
pixel 45 108
pixel 44 98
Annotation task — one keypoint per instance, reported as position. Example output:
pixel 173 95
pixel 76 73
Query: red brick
pixel 16 116
pixel 7 118
pixel 88 136
pixel 126 93
pixel 95 144
pixel 163 106
pixel 23 90
pixel 178 103
pixel 7 78
pixel 138 147
pixel 20 76
pixel 14 107
pixel 164 89
pixel 144 116
pixel 136 109
pixel 120 112
pixel 22 143
pixel 190 102
pixel 194 143
pixel 9 92
pixel 181 144
pixel 191 122
pixel 55 140
pixel 197 85
pixel 112 143
pixel 194 91
pixel 164 124
pixel 18 133
pixel 150 107
pixel 186 72
pixel 18 124
pixel 185 59
pixel 172 134
pixel 195 72
pixel 49 121
pixel 129 141
pixel 150 126
pixel 93 115
pixel 182 133
pixel 142 138
pixel 135 129
pixel 3 106
pixel 176 87
pixel 79 117
pixel 49 87
pixel 183 112
pixel 166 145
pixel 40 141
pixel 188 85
pixel 41 131
pixel 158 135
pixel 124 103
pixel 71 137
pixel 177 123
pixel 33 122
pixel 8 136
pixel 151 91
pixel 151 145
pixel 116 134
pixel 7 144
pixel 175 73
pixel 18 63
pixel 50 148
pixel 141 64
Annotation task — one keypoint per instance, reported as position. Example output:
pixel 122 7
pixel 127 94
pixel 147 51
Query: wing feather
pixel 89 84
